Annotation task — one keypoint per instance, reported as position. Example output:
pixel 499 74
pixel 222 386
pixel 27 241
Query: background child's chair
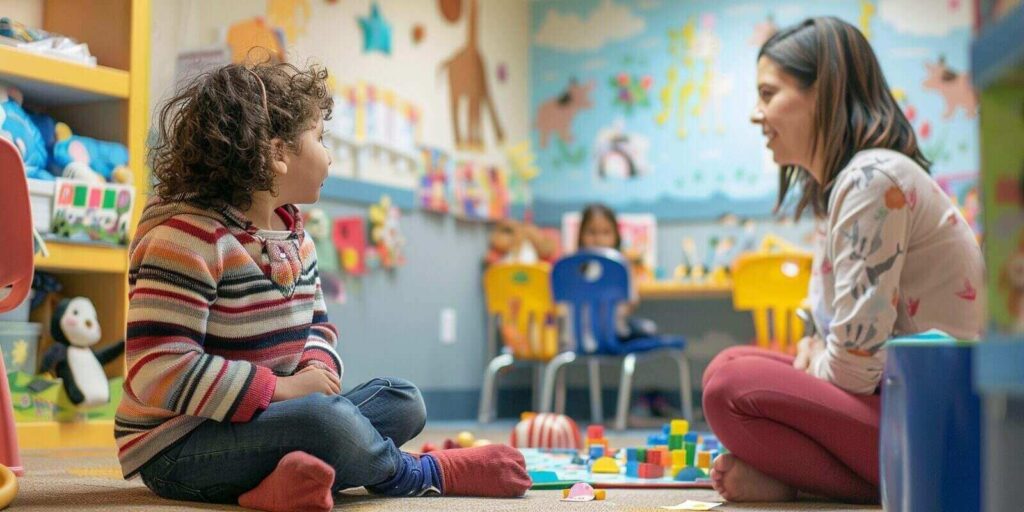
pixel 16 268
pixel 520 312
pixel 594 283
pixel 773 284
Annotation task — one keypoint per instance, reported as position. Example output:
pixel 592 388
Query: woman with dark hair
pixel 896 258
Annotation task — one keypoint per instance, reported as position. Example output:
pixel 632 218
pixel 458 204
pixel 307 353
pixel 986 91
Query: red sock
pixel 300 482
pixel 495 471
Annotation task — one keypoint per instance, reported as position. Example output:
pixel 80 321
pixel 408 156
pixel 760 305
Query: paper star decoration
pixel 376 32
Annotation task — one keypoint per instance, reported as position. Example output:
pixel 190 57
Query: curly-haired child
pixel 233 388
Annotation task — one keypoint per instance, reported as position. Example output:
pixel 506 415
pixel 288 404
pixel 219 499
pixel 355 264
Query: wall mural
pixel 645 105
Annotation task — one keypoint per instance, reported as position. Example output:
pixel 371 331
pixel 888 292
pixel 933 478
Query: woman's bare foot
pixel 735 480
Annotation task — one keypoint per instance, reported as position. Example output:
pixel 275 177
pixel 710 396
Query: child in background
pixel 600 229
pixel 233 387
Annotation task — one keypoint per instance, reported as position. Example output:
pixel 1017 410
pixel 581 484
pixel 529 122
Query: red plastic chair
pixel 16 268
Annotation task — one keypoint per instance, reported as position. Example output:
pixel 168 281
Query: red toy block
pixel 648 470
pixel 595 431
pixel 654 457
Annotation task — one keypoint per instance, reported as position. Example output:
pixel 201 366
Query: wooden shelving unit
pixel 107 102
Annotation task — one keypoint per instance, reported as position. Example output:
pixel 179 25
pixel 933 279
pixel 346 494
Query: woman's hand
pixel 307 381
pixel 806 350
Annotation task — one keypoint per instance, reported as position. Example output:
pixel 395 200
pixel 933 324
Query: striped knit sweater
pixel 218 309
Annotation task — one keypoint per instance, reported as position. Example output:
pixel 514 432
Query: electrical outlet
pixel 448 322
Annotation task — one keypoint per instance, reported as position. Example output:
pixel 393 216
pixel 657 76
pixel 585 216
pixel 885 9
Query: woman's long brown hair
pixel 854 108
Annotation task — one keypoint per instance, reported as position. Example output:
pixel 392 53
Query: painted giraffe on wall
pixel 467 78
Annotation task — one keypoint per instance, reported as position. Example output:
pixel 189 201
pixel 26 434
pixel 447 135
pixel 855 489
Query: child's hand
pixel 806 349
pixel 309 380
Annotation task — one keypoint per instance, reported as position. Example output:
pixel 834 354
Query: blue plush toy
pixel 101 156
pixel 17 127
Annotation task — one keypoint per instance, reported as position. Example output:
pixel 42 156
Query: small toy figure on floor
pixel 75 328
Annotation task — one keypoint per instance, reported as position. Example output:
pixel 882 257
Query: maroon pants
pixel 792 426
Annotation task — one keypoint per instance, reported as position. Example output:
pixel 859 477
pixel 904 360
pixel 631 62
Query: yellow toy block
pixel 679 427
pixel 605 465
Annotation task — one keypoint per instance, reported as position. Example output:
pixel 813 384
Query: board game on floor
pixel 670 460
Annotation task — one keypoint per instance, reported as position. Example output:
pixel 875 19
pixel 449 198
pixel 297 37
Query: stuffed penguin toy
pixel 75 329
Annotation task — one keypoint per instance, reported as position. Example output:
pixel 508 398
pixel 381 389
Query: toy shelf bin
pixel 929 440
pixel 19 342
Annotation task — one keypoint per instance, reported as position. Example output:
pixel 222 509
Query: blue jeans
pixel 357 433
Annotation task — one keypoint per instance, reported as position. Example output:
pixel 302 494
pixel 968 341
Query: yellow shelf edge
pixel 66 256
pixel 52 434
pixel 98 80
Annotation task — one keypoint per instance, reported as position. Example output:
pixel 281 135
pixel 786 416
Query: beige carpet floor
pixel 89 480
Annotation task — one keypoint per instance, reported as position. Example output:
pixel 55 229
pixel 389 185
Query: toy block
pixel 679 427
pixel 596 452
pixel 691 437
pixel 666 457
pixel 647 470
pixel 689 474
pixel 675 441
pixel 630 454
pixel 605 465
pixel 703 459
pixel 654 457
pixel 595 431
pixel 679 458
pixel 598 442
pixel 641 454
pixel 633 469
pixel 691 452
pixel 656 439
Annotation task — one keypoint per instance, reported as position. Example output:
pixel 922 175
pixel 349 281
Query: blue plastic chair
pixel 593 283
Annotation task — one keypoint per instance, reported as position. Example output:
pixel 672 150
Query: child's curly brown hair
pixel 215 135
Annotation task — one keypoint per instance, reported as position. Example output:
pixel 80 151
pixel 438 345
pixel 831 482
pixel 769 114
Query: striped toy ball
pixel 546 430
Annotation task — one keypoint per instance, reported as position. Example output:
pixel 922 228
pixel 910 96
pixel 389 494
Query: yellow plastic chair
pixel 773 284
pixel 521 314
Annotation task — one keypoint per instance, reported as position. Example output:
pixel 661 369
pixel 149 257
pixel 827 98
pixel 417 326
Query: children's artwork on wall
pixel 291 16
pixel 705 157
pixel 496 192
pixel 467 80
pixel 639 233
pixel 245 35
pixel 386 233
pixel 92 212
pixel 480 191
pixel 468 192
pixel 373 135
pixel 318 225
pixel 433 189
pixel 376 31
pixel 349 235
pixel 620 154
pixel 954 87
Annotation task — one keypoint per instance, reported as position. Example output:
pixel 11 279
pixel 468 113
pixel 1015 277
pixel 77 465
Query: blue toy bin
pixel 930 439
